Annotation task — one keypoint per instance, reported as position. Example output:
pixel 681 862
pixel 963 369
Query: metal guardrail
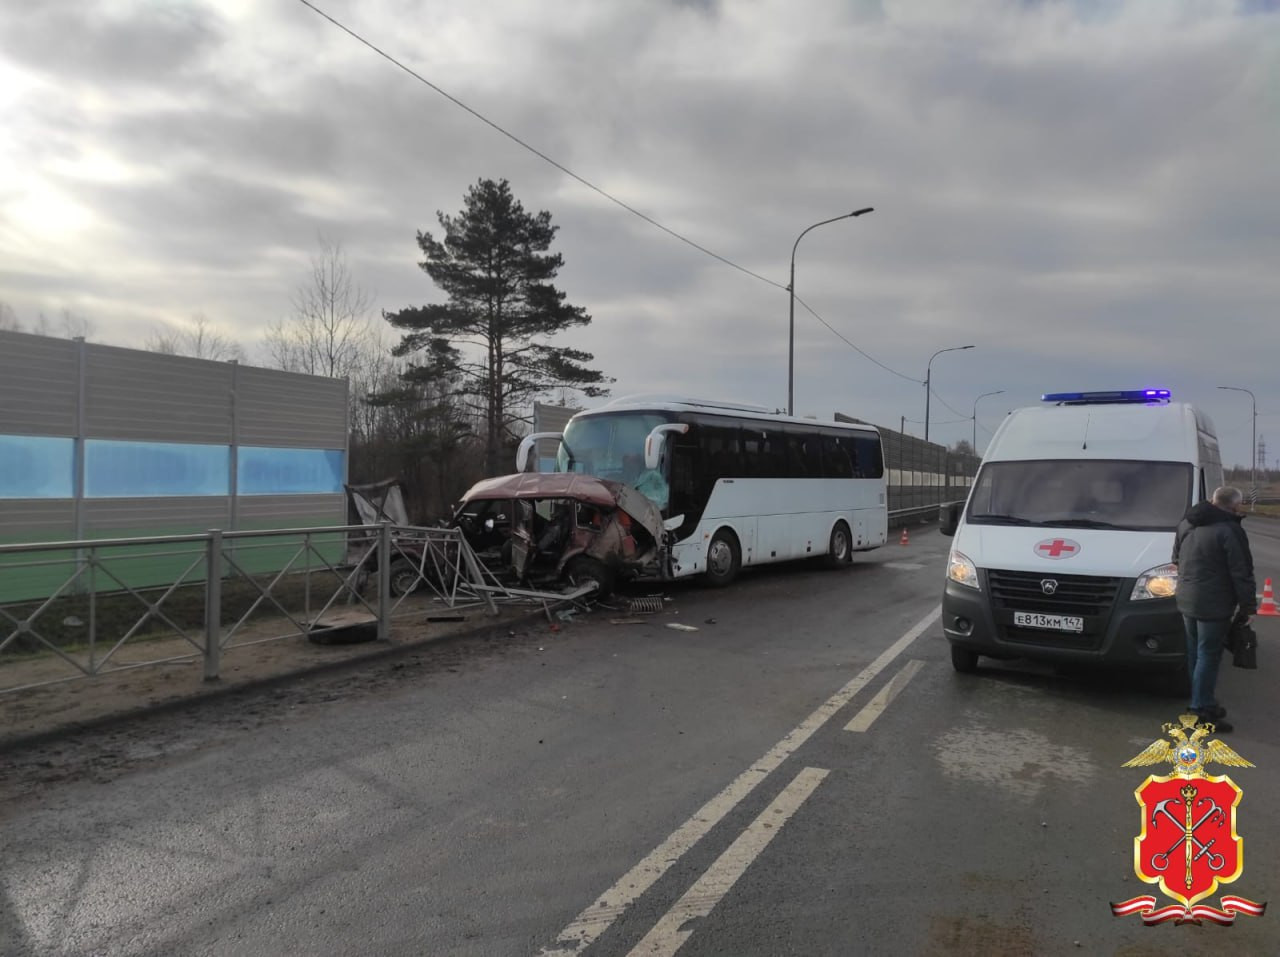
pixel 95 607
pixel 925 512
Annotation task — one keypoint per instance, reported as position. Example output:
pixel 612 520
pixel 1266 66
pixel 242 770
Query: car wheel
pixel 964 660
pixel 580 571
pixel 724 558
pixel 840 551
pixel 404 578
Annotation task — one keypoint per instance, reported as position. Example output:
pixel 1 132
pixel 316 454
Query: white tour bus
pixel 1062 551
pixel 737 484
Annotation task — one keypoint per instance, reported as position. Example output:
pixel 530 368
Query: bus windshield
pixel 612 447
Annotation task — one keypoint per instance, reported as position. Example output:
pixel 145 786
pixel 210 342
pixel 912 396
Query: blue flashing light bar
pixel 1123 395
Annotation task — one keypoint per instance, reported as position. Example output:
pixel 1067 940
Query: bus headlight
pixel 1158 582
pixel 962 571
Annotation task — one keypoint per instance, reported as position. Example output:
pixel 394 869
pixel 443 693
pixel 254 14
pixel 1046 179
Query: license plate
pixel 1029 619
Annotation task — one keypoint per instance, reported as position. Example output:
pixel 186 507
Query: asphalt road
pixel 633 789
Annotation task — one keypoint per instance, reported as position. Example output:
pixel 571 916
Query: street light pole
pixel 791 288
pixel 928 379
pixel 975 416
pixel 1253 449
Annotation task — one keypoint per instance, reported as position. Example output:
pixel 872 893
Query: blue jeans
pixel 1204 654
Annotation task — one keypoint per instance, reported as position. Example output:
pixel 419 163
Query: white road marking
pixel 904 566
pixel 599 917
pixel 875 707
pixel 670 933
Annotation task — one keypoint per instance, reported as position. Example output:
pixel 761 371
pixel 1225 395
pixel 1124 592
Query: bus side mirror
pixel 949 517
pixel 653 444
pixel 527 444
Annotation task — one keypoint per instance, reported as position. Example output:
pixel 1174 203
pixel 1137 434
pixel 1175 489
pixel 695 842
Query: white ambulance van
pixel 1061 552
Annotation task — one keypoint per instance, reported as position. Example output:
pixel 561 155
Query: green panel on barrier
pixel 28 575
pixel 257 556
pixel 25 576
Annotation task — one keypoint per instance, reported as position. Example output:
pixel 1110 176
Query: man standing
pixel 1215 584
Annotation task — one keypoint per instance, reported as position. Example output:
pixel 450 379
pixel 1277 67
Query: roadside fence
pixel 87 608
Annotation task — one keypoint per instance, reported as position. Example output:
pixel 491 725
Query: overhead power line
pixel 534 150
pixel 852 346
pixel 587 183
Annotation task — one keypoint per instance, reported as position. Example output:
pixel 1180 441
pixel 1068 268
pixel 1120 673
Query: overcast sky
pixel 1085 191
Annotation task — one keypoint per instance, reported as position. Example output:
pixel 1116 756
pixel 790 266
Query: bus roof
pixel 660 402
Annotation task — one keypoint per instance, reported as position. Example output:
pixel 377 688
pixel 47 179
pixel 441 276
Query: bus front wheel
pixel 724 558
pixel 840 551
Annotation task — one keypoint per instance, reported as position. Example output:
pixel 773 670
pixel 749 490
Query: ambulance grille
pixel 1084 595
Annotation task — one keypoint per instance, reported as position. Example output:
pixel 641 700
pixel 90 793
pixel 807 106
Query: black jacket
pixel 1215 566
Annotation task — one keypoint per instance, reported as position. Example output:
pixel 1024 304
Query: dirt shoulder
pixel 45 712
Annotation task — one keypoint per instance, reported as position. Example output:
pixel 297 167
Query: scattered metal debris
pixel 676 626
pixel 645 606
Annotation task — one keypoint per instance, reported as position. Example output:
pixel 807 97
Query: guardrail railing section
pixel 438 561
pixel 275 584
pixel 70 610
pixel 79 609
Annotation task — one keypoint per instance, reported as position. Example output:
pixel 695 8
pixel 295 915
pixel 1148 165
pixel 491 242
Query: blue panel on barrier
pixel 35 466
pixel 264 471
pixel 115 469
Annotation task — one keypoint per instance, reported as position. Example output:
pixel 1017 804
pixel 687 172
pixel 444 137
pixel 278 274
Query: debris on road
pixel 676 626
pixel 645 606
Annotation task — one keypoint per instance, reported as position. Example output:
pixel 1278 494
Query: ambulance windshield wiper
pixel 1077 523
pixel 1002 520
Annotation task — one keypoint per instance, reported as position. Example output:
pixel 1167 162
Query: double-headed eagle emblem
pixel 1190 752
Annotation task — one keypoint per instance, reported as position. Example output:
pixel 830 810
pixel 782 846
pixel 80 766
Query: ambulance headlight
pixel 1158 582
pixel 962 571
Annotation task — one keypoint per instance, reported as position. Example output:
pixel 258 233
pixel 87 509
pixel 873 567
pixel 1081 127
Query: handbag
pixel 1242 642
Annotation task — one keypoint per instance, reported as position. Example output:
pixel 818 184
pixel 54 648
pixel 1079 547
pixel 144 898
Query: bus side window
pixel 720 452
pixel 837 463
pixel 868 459
pixel 796 465
pixel 811 449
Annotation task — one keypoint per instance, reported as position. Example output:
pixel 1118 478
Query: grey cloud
pixel 158 43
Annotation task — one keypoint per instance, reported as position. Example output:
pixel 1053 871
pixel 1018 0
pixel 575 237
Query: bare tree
pixel 197 338
pixel 74 325
pixel 9 318
pixel 330 332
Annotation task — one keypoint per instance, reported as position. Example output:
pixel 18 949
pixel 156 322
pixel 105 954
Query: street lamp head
pixel 859 212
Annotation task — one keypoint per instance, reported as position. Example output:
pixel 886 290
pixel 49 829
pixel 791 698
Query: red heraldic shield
pixel 1188 843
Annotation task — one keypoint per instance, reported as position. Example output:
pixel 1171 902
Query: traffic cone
pixel 1268 605
pixel 904 541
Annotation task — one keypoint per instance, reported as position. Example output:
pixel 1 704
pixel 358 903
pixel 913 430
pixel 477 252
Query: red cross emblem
pixel 1057 548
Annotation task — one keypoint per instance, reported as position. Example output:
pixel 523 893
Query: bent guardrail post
pixel 213 606
pixel 384 580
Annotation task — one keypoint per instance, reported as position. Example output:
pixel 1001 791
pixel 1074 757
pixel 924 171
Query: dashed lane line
pixel 875 707
pixel 670 933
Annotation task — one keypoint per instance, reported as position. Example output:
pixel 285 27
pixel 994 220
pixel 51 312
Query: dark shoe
pixel 1220 725
pixel 1211 714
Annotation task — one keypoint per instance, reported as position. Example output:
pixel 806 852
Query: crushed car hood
pixel 583 488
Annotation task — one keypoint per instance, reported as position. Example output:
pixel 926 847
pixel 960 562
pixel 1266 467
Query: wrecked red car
pixel 550 528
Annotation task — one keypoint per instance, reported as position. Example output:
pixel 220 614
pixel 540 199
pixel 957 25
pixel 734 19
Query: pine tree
pixel 489 338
